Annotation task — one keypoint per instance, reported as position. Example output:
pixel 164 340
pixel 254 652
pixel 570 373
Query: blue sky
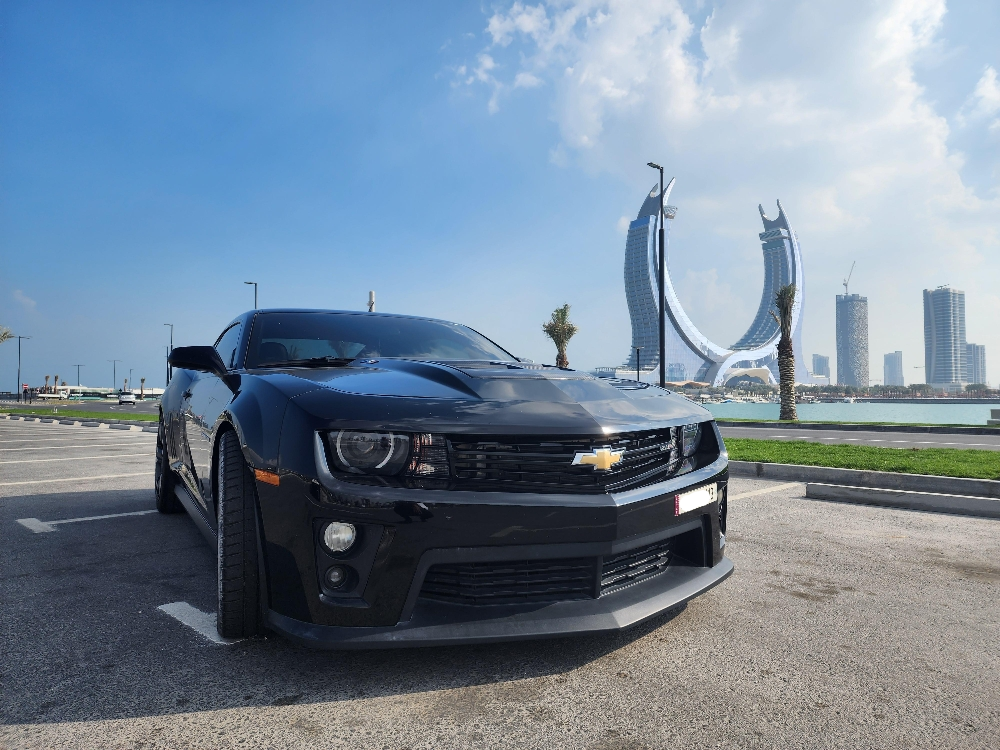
pixel 478 162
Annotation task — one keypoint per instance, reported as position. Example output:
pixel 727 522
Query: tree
pixel 560 330
pixel 784 300
pixel 5 334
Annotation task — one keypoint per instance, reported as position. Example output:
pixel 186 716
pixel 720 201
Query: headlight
pixel 370 452
pixel 422 456
pixel 692 434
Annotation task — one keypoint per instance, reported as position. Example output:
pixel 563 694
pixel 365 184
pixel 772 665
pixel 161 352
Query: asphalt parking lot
pixel 843 627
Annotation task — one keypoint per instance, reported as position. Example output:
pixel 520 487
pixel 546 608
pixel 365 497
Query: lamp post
pixel 637 348
pixel 170 350
pixel 78 374
pixel 130 378
pixel 254 292
pixel 20 390
pixel 114 372
pixel 663 333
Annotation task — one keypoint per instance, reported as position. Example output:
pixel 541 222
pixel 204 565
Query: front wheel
pixel 239 577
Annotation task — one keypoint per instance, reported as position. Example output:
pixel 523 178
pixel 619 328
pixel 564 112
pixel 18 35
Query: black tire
pixel 163 483
pixel 239 578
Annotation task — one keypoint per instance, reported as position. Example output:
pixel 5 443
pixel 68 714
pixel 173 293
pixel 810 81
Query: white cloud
pixel 24 300
pixel 984 102
pixel 817 104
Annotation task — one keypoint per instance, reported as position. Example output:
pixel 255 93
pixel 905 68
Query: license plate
pixel 698 498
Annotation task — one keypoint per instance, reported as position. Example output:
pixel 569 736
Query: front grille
pixel 636 565
pixel 533 464
pixel 511 582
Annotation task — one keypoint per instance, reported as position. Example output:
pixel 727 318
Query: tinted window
pixel 282 337
pixel 227 344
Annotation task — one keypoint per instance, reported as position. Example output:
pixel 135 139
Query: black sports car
pixel 384 480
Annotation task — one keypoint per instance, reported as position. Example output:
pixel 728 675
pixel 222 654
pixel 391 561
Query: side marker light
pixel 267 477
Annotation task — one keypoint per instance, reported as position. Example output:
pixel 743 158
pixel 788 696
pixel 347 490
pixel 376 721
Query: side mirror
pixel 201 358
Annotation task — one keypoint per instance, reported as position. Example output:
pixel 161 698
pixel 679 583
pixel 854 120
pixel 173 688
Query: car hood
pixel 478 398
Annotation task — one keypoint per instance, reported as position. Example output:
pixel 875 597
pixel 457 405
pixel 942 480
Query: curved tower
pixel 689 354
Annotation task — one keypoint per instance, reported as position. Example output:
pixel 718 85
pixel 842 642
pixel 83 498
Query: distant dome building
pixel 689 354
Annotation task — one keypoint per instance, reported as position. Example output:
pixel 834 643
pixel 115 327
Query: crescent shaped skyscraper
pixel 689 354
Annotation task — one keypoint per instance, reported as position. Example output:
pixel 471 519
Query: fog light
pixel 338 537
pixel 335 577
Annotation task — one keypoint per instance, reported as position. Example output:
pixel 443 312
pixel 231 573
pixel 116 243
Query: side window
pixel 227 345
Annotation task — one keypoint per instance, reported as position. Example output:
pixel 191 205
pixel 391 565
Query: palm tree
pixel 142 387
pixel 5 334
pixel 560 330
pixel 784 300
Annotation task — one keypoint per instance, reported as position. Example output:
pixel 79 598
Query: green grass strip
pixel 944 462
pixel 79 414
pixel 778 422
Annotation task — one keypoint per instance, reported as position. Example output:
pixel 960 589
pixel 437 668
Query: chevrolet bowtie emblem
pixel 601 459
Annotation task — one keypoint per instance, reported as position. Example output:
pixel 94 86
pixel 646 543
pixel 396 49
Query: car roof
pixel 251 313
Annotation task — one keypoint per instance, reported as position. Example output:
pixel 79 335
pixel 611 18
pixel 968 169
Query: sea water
pixel 936 412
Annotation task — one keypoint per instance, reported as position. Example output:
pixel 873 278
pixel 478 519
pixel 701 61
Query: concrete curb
pixel 114 424
pixel 936 502
pixel 938 429
pixel 984 488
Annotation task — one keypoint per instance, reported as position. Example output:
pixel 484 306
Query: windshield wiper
pixel 311 362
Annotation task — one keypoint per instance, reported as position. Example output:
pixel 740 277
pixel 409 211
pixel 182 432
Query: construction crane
pixel 848 279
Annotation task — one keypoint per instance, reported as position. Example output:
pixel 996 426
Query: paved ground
pixel 843 627
pixel 882 439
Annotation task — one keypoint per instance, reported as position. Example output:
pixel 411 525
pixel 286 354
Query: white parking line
pixel 765 490
pixel 69 439
pixel 203 623
pixel 41 527
pixel 64 447
pixel 147 473
pixel 74 458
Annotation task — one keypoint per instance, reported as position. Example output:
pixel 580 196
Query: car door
pixel 204 400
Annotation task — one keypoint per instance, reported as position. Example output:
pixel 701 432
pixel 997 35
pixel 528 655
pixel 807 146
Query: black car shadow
pixel 83 639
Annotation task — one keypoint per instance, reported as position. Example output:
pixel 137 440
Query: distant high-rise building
pixel 821 365
pixel 894 368
pixel 944 337
pixel 852 340
pixel 975 363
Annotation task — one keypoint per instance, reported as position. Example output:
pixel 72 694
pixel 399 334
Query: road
pixel 882 439
pixel 843 627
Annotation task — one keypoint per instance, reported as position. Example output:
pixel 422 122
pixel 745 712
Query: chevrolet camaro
pixel 373 480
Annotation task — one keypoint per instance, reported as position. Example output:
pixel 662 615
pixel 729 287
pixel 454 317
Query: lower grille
pixel 634 566
pixel 511 582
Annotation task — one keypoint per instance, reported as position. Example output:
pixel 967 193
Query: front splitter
pixel 439 624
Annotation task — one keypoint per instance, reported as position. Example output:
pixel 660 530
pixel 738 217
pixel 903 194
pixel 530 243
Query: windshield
pixel 279 338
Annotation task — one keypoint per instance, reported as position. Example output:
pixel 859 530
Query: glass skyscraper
pixel 975 363
pixel 893 369
pixel 852 340
pixel 821 365
pixel 944 337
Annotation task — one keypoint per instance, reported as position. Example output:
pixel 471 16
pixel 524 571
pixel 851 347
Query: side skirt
pixel 194 510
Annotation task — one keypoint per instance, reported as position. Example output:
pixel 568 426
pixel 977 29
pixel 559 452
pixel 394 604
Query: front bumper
pixel 439 624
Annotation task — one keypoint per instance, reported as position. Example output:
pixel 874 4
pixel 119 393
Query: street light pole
pixel 19 389
pixel 114 372
pixel 78 374
pixel 170 349
pixel 663 332
pixel 637 348
pixel 130 378
pixel 254 292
